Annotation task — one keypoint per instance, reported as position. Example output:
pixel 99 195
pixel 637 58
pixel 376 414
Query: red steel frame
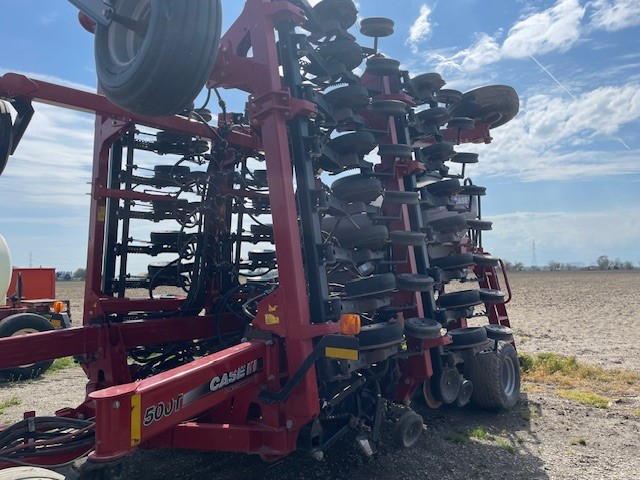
pixel 230 419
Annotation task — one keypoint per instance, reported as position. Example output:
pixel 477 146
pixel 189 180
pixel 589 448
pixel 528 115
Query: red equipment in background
pixel 36 282
pixel 267 351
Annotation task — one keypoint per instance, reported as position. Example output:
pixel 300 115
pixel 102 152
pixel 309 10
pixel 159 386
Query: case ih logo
pixel 233 376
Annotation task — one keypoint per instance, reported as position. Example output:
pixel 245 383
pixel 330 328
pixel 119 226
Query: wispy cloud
pixel 612 15
pixel 421 28
pixel 555 29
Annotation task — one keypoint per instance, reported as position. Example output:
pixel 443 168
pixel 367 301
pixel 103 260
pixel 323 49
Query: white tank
pixel 5 270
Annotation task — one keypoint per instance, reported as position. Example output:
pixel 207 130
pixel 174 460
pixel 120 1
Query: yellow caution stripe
pixel 136 420
pixel 343 353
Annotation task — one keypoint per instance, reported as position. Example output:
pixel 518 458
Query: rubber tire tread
pixel 407 421
pixel 373 285
pixel 357 188
pixel 6 135
pixel 461 299
pixel 18 321
pixel 380 334
pixel 414 282
pixel 468 336
pixel 483 103
pixel 486 375
pixel 372 236
pixel 175 60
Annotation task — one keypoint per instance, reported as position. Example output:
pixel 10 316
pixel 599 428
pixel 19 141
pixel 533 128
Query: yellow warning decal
pixel 344 353
pixel 270 319
pixel 136 420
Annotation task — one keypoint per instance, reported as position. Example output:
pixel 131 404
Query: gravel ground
pixel 593 315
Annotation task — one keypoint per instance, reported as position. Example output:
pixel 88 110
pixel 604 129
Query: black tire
pixel 360 143
pixel 427 84
pixel 23 324
pixel 448 96
pixel 341 51
pixel 499 332
pixel 172 62
pixel 350 96
pixel 462 123
pixel 407 238
pixel 425 328
pixel 357 188
pixel 461 299
pixel 372 236
pixel 473 190
pixel 483 225
pixel 439 151
pixel 382 67
pixel 29 473
pixel 389 107
pixel 468 336
pixel 465 158
pixel 373 285
pixel 494 105
pixel 485 260
pixel 491 296
pixel 496 377
pixel 344 10
pixel 444 188
pixel 414 282
pixel 395 150
pixel 407 430
pixel 452 224
pixel 453 262
pixel 6 135
pixel 434 116
pixel 376 27
pixel 377 335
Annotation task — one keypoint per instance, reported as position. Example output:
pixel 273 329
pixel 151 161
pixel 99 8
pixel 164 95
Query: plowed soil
pixel 592 315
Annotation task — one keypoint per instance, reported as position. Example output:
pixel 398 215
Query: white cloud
pixel 612 15
pixel 557 28
pixel 421 28
pixel 559 138
pixel 483 52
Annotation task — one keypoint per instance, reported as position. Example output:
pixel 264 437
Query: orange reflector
pixel 350 323
pixel 58 307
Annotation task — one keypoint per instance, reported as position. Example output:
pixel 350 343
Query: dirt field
pixel 592 315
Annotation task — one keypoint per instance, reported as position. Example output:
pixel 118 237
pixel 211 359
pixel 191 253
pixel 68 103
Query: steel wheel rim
pixel 508 376
pixel 124 45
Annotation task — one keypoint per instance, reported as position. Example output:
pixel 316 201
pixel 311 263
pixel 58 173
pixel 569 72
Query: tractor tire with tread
pixel 24 324
pixel 496 377
pixel 162 73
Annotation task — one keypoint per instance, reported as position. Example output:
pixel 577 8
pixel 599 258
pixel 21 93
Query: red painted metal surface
pixel 192 406
pixel 36 282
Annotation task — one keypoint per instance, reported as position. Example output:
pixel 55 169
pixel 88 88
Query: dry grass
pixel 586 398
pixel 567 372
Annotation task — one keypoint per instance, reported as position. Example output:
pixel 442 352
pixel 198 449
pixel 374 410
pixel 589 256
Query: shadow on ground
pixel 457 444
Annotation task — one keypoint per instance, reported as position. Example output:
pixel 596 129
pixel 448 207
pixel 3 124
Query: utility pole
pixel 534 259
pixel 30 259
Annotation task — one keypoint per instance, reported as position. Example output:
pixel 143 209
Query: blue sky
pixel 565 173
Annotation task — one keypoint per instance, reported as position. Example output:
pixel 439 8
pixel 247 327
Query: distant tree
pixel 603 262
pixel 80 274
pixel 553 265
pixel 508 265
pixel 67 276
pixel 518 266
pixel 627 265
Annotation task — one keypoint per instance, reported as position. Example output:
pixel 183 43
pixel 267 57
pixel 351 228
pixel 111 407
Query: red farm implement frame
pixel 266 352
